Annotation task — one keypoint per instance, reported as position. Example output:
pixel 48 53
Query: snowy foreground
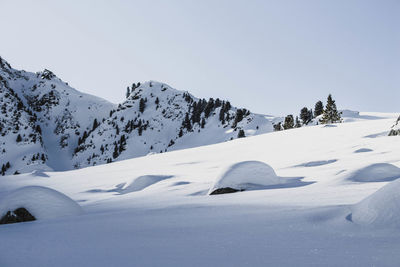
pixel 321 204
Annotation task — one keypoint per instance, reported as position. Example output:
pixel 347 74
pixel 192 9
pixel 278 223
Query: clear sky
pixel 273 57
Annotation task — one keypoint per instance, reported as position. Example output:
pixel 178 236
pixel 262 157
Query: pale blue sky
pixel 272 57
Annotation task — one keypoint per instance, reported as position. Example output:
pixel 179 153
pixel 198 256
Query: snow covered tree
pixel 331 114
pixel 289 122
pixel 128 92
pixel 318 109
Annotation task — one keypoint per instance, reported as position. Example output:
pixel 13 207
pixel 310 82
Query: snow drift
pixel 378 172
pixel 142 182
pixel 41 202
pixel 382 208
pixel 248 175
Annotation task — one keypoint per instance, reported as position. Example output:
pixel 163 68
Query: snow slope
pixel 172 220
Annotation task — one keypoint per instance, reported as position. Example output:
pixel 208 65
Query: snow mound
pixel 247 175
pixel 378 172
pixel 41 202
pixel 142 182
pixel 382 208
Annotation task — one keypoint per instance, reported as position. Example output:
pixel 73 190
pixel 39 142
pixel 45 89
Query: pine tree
pixel 142 105
pixel 297 123
pixel 278 126
pixel 95 124
pixel 203 123
pixel 128 92
pixel 38 129
pixel 241 134
pixel 319 109
pixel 306 115
pixel 239 117
pixel 19 138
pixel 222 115
pixel 116 150
pixel 330 115
pixel 186 123
pixel 289 122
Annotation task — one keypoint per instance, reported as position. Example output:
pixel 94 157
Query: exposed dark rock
pixel 16 216
pixel 225 190
pixel 394 132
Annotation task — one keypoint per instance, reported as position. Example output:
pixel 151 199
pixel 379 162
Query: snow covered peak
pixel 46 74
pixel 4 64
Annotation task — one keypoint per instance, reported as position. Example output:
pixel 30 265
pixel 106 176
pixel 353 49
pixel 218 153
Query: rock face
pixel 16 216
pixel 225 190
pixel 395 128
pixel 47 125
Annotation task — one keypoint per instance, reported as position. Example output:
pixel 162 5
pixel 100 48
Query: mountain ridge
pixel 73 129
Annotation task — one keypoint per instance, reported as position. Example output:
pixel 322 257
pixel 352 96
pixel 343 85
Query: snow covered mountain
pixel 157 118
pixel 42 118
pixel 47 125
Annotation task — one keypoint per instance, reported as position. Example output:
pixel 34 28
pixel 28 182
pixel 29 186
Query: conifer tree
pixel 128 92
pixel 19 138
pixel 305 115
pixel 289 122
pixel 241 134
pixel 95 124
pixel 142 105
pixel 278 126
pixel 297 123
pixel 186 122
pixel 319 109
pixel 331 115
pixel 203 123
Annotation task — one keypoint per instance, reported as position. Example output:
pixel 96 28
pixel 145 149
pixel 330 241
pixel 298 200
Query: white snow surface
pixel 381 209
pixel 174 222
pixel 41 202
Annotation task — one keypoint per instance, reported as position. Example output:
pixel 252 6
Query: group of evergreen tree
pixel 330 114
pixel 119 146
pixel 129 90
pixel 140 125
pixel 4 168
pixel 38 156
